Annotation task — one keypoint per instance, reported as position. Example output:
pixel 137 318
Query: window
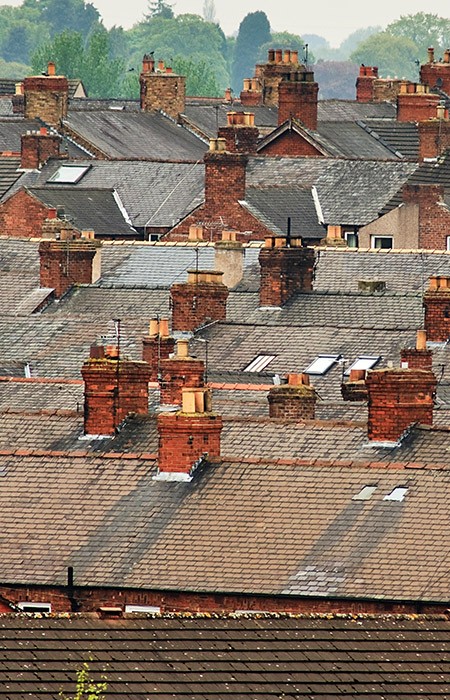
pixel 69 174
pixel 322 364
pixel 448 242
pixel 259 363
pixel 142 609
pixel 351 238
pixel 363 362
pixel 398 494
pixel 365 493
pixel 26 606
pixel 381 242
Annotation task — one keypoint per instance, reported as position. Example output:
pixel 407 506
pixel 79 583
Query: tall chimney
pixel 229 258
pixel 434 137
pixel 158 345
pixel 180 372
pixel 365 83
pixel 67 262
pixel 397 399
pixel 436 302
pixel 295 400
pixel 36 147
pixel 297 99
pixel 240 133
pixel 419 357
pixel 188 437
pixel 113 389
pixel 46 97
pixel 202 299
pixel 286 269
pixel 224 178
pixel 161 90
pixel 415 103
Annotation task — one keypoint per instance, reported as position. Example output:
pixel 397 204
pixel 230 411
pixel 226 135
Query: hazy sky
pixel 333 19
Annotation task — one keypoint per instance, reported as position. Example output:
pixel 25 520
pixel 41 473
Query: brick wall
pixel 239 139
pixel 436 302
pixel 416 107
pixel 154 350
pixel 163 91
pixel 178 373
pixel 46 98
pixel 430 73
pixel 64 263
pixel 198 301
pixel 364 83
pixel 37 147
pixel 292 402
pixel 297 99
pixel 417 359
pixel 284 272
pixel 434 137
pixel 22 216
pixel 434 219
pixel 398 398
pixel 290 143
pixel 185 438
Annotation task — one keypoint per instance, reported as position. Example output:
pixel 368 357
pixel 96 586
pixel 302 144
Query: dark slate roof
pixel 399 136
pixel 153 193
pixel 348 139
pixel 209 117
pixel 11 129
pixel 349 110
pixel 8 85
pixel 121 134
pixel 262 657
pixel 93 209
pixel 273 206
pixel 8 173
pixel 90 104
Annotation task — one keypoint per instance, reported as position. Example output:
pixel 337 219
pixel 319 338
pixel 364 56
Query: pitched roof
pixel 209 117
pixel 11 129
pixel 273 206
pixel 350 110
pixel 8 86
pixel 8 173
pixel 262 657
pixel 120 134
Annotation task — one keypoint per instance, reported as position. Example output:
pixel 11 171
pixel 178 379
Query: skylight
pixel 365 493
pixel 363 362
pixel 259 363
pixel 322 364
pixel 69 174
pixel 398 494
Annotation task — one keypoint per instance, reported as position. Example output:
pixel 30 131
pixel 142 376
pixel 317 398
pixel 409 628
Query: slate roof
pixel 349 140
pixel 209 117
pixel 8 173
pixel 11 129
pixel 400 136
pixel 273 206
pixel 96 209
pixel 350 110
pixel 154 194
pixel 260 657
pixel 120 134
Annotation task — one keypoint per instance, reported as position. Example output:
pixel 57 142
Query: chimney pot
pixel 271 55
pixel 153 327
pixel 431 55
pixel 278 55
pixel 287 56
pixel 51 68
pixel 164 328
pixel 421 341
pixel 294 57
pixel 182 348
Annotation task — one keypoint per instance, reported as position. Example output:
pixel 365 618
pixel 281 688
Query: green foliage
pixel 87 688
pixel 209 11
pixel 16 71
pixel 102 75
pixel 200 78
pixel 254 31
pixel 20 31
pixel 353 40
pixel 60 15
pixel 285 40
pixel 394 56
pixel 159 8
pixel 424 30
pixel 187 36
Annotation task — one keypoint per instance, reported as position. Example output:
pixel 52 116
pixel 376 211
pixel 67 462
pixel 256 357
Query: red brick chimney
pixel 17 100
pixel 180 372
pixel 434 135
pixel 113 389
pixel 295 400
pixel 161 89
pixel 46 97
pixel 240 134
pixel 251 95
pixel 188 436
pixel 157 346
pixel 354 389
pixel 37 147
pixel 224 178
pixel 398 398
pixel 297 99
pixel 286 269
pixel 202 299
pixel 436 302
pixel 433 218
pixel 436 74
pixel 415 103
pixel 418 357
pixel 67 262
pixel 365 82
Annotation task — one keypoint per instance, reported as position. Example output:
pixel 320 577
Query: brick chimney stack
pixel 436 302
pixel 240 134
pixel 365 83
pixel 64 263
pixel 297 99
pixel 295 400
pixel 436 74
pixel 161 88
pixel 229 258
pixel 114 388
pixel 180 372
pixel 224 178
pixel 251 94
pixel 37 147
pixel 354 389
pixel 286 269
pixel 188 436
pixel 415 103
pixel 418 357
pixel 157 345
pixel 46 97
pixel 434 134
pixel 202 299
pixel 397 399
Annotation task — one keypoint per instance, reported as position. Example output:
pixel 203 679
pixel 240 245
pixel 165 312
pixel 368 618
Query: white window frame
pixel 363 362
pixel 448 242
pixel 28 606
pixel 328 361
pixel 351 233
pixel 58 177
pixel 142 609
pixel 259 363
pixel 374 237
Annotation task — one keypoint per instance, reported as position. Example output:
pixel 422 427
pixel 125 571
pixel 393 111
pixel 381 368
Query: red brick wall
pixel 416 107
pixel 398 398
pixel 284 272
pixel 290 144
pixel 437 315
pixel 37 148
pixel 22 216
pixel 193 304
pixel 239 139
pixel 298 100
pixel 434 138
pixel 64 263
pixel 185 438
pixel 178 373
pixel 46 98
pixel 417 359
pixel 430 72
pixel 434 219
pixel 163 91
pixel 292 402
pixel 155 349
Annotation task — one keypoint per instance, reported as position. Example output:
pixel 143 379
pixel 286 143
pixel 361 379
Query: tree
pixel 285 40
pixel 200 78
pixel 61 15
pixel 353 40
pixel 159 8
pixel 21 30
pixel 209 11
pixel 86 687
pixel 254 31
pixel 336 79
pixel 423 29
pixel 394 56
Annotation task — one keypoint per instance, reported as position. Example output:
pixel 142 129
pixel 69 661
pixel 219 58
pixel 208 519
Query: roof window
pixel 259 363
pixel 363 362
pixel 398 494
pixel 69 174
pixel 142 609
pixel 26 606
pixel 322 364
pixel 365 493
